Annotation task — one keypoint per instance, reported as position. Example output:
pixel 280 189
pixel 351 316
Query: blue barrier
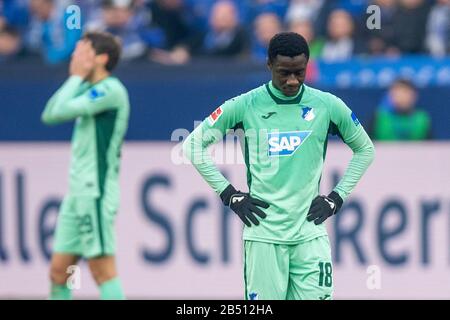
pixel 380 72
pixel 167 98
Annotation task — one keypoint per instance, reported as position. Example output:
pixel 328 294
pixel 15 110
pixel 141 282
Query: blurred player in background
pixel 99 105
pixel 287 252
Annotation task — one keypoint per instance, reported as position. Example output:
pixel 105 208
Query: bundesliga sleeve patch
pixel 95 94
pixel 215 115
pixel 355 119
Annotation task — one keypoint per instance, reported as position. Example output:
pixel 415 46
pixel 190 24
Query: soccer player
pixel 99 105
pixel 286 125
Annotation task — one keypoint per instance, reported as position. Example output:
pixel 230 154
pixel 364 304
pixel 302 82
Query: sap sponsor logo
pixel 308 113
pixel 355 119
pixel 285 143
pixel 215 115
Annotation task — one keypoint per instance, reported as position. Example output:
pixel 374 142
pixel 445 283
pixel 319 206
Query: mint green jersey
pixel 101 113
pixel 284 141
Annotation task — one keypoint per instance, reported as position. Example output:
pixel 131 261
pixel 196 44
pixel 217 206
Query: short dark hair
pixel 104 42
pixel 118 4
pixel 289 44
pixel 403 82
pixel 10 30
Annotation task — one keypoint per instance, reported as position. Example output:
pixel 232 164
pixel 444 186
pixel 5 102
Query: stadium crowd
pixel 176 31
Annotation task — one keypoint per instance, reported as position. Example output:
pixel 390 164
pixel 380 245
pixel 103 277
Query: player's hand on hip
pixel 245 206
pixel 323 207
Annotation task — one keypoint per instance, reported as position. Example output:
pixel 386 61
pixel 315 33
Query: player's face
pixel 288 73
pixel 100 60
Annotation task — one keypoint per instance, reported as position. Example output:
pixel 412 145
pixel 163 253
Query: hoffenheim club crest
pixel 308 113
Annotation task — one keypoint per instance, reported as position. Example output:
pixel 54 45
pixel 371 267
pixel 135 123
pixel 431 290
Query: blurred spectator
pixel 250 9
pixel 266 25
pixel 398 118
pixel 307 14
pixel 10 43
pixel 91 9
pixel 354 7
pixel 306 29
pixel 340 44
pixel 49 33
pixel 409 25
pixel 121 18
pixel 172 30
pixel 175 20
pixel 438 29
pixel 14 13
pixel 173 17
pixel 200 13
pixel 303 10
pixel 225 37
pixel 379 40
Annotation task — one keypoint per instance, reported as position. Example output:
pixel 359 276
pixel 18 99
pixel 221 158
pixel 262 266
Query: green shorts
pixel 85 228
pixel 288 272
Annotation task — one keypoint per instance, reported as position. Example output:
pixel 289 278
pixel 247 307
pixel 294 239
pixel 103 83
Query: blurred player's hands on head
pixel 246 207
pixel 83 60
pixel 323 207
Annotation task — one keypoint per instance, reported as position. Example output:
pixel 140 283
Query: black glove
pixel 243 205
pixel 323 207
